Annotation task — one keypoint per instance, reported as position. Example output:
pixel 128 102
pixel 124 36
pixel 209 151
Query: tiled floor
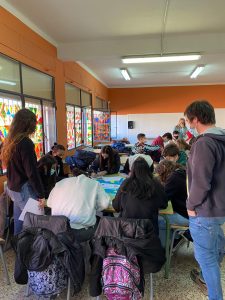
pixel 178 287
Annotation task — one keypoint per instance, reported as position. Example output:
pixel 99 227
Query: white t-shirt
pixel 78 198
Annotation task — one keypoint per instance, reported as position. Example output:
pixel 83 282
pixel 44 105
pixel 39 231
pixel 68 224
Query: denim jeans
pixel 173 219
pixel 19 200
pixel 209 243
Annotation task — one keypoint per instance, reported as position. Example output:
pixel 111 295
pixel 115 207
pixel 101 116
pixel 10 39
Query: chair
pixel 5 270
pixel 111 235
pixel 32 220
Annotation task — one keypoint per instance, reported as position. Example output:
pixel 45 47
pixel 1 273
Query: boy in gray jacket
pixel 206 200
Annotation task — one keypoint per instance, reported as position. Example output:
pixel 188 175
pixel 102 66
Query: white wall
pixel 155 124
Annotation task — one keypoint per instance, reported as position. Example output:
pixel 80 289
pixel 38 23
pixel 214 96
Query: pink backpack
pixel 120 277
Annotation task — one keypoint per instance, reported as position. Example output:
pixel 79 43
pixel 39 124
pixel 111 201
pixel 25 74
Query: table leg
pixel 167 246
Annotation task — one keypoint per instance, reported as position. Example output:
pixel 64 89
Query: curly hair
pixel 23 125
pixel 165 168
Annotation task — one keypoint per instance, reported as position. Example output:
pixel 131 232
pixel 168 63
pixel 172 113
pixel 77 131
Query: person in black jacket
pixel 47 170
pixel 18 155
pixel 173 177
pixel 108 162
pixel 141 195
pixel 58 152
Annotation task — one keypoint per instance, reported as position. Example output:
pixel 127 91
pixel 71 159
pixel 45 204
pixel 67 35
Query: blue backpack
pixel 81 159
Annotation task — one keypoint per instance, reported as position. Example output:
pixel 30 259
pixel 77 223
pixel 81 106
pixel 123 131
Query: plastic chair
pixel 5 270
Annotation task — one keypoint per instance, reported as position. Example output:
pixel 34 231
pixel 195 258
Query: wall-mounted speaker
pixel 130 124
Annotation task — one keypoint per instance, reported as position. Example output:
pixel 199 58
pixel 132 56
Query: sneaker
pixel 187 235
pixel 196 277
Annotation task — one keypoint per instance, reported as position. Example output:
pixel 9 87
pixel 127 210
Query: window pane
pixel 85 99
pixel 98 103
pixel 87 126
pixel 49 125
pixel 36 83
pixel 78 126
pixel 105 104
pixel 37 137
pixel 70 127
pixel 113 125
pixel 9 74
pixel 101 126
pixel 72 94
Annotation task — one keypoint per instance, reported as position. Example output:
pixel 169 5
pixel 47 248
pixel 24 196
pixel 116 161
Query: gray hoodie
pixel 206 174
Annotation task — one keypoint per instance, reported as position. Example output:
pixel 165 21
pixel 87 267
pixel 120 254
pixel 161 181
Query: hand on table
pixel 102 173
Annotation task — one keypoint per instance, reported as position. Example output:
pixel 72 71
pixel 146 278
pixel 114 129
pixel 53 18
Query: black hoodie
pixel 206 174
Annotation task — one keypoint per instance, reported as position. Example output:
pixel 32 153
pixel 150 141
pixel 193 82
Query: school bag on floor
pixel 120 277
pixel 81 159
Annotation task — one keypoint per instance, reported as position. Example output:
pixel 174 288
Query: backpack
pixel 81 159
pixel 120 277
pixel 51 281
pixel 119 146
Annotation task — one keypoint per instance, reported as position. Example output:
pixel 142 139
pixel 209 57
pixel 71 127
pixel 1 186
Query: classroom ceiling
pixel 97 33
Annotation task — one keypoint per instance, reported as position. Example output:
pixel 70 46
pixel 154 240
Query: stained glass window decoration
pixel 70 119
pixel 78 126
pixel 37 137
pixel 101 126
pixel 87 126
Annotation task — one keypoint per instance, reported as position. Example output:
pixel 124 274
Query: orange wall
pixel 163 99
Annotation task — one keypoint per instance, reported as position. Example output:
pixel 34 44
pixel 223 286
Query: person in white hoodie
pixel 78 198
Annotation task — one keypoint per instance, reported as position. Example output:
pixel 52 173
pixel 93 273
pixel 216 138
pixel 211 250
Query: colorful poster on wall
pixel 37 137
pixel 78 126
pixel 8 107
pixel 70 127
pixel 101 125
pixel 87 126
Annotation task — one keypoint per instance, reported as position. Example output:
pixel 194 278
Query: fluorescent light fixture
pixel 125 74
pixel 160 58
pixel 7 82
pixel 197 71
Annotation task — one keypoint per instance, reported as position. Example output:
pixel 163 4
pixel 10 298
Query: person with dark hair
pixel 205 203
pixel 108 162
pixel 18 155
pixel 167 137
pixel 58 152
pixel 183 146
pixel 47 169
pixel 175 135
pixel 181 128
pixel 171 152
pixel 78 198
pixel 141 195
pixel 142 148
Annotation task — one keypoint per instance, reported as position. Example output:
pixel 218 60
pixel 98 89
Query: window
pixel 78 125
pixel 37 138
pixel 72 94
pixel 36 83
pixel 101 124
pixel 85 99
pixel 9 74
pixel 49 125
pixel 70 127
pixel 87 126
pixel 101 104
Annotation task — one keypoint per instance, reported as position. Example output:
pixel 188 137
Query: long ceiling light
pixel 197 71
pixel 7 82
pixel 125 74
pixel 160 58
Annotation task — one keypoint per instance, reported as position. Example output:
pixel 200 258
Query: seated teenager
pixel 173 177
pixel 141 147
pixel 141 195
pixel 167 138
pixel 171 152
pixel 108 162
pixel 47 166
pixel 183 146
pixel 58 152
pixel 78 198
pixel 175 135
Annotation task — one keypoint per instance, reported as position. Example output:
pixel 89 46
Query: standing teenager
pixel 18 155
pixel 206 203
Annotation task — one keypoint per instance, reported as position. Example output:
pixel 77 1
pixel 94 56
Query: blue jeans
pixel 173 219
pixel 209 243
pixel 19 200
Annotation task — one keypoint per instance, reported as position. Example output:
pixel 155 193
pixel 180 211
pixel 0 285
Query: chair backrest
pixel 56 224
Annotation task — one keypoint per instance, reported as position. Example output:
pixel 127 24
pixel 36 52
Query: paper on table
pixel 113 178
pixel 31 206
pixel 110 186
